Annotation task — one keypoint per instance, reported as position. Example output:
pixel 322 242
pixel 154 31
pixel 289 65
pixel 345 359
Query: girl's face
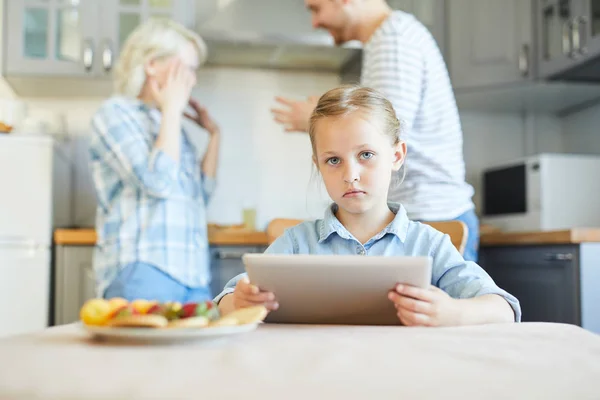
pixel 356 160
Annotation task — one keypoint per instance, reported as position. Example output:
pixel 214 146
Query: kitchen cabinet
pixel 558 27
pixel 432 13
pixel 226 263
pixel 554 283
pixel 580 44
pixel 77 38
pixel 74 281
pixel 490 42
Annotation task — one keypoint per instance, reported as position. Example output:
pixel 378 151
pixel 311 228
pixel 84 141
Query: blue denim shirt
pixel 450 272
pixel 151 209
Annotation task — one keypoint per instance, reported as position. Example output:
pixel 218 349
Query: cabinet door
pixel 432 13
pixel 74 283
pixel 226 263
pixel 51 37
pixel 121 17
pixel 555 35
pixel 490 42
pixel 587 26
pixel 545 279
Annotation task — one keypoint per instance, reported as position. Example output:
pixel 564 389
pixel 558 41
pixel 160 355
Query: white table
pixel 529 361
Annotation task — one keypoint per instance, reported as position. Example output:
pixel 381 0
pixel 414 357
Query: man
pixel 402 60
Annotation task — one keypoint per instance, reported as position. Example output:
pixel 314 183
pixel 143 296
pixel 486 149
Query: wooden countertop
pixel 567 236
pixel 217 236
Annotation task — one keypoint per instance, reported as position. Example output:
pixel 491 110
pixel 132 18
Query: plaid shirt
pixel 150 208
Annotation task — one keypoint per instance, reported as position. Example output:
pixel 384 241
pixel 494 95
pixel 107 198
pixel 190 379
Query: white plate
pixel 166 334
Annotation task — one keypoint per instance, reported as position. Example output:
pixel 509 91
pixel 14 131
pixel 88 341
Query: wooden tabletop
pixel 567 236
pixel 496 361
pixel 217 236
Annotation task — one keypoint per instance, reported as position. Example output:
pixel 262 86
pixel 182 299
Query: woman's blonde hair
pixel 348 99
pixel 156 38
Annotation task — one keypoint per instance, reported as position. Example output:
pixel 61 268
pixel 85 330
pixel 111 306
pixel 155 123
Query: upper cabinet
pixel 490 42
pixel 559 35
pixel 76 38
pixel 50 37
pixel 432 13
pixel 569 32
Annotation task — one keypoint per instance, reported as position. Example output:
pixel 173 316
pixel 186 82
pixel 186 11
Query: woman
pixel 152 191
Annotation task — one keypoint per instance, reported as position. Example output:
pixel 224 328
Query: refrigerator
pixel 26 208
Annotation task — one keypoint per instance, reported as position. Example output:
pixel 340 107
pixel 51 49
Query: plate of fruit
pixel 151 320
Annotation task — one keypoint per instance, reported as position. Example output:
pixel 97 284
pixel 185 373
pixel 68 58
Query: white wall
pixel 264 167
pixel 581 131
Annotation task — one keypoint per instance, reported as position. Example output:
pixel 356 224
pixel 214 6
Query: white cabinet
pixel 77 38
pixel 490 42
pixel 24 288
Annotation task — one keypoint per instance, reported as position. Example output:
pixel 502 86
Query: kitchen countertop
pixel 217 236
pixel 567 236
pixel 279 361
pixel 237 235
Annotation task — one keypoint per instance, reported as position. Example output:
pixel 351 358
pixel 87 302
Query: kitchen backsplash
pixel 265 168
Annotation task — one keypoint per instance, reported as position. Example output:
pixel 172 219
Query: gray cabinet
pixel 558 35
pixel 490 42
pixel 74 281
pixel 226 263
pixel 77 38
pixel 556 283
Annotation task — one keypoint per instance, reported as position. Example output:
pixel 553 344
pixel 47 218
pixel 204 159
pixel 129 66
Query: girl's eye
pixel 366 155
pixel 333 161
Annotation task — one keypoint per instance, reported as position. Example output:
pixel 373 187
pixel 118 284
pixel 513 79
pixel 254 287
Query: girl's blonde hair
pixel 348 99
pixel 156 38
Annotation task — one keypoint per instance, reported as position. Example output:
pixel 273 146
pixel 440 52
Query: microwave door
pixel 505 191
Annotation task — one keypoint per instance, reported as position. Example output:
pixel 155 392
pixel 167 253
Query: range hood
pixel 269 34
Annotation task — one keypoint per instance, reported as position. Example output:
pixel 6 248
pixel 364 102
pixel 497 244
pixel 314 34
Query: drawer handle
pixel 229 255
pixel 559 256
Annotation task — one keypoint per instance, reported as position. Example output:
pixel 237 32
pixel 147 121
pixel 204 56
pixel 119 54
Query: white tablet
pixel 330 289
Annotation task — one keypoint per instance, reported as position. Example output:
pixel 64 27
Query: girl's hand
pixel 202 118
pixel 248 295
pixel 425 307
pixel 174 95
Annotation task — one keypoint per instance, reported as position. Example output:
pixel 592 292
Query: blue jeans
pixel 145 281
pixel 472 247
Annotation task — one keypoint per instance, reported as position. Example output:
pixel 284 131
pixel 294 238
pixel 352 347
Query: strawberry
pixel 188 310
pixel 155 309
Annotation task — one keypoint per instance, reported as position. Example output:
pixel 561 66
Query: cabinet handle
pixel 229 255
pixel 107 55
pixel 558 256
pixel 566 38
pixel 582 34
pixel 575 38
pixel 88 54
pixel 524 60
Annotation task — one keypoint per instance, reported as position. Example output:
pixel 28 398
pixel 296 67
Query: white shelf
pixel 560 98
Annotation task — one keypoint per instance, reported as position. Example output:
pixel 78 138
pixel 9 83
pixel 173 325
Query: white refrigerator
pixel 26 177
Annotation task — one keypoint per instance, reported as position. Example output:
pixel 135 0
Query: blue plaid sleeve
pixel 208 187
pixel 124 146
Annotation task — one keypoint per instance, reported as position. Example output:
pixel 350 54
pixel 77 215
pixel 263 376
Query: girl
pixel 356 143
pixel 151 187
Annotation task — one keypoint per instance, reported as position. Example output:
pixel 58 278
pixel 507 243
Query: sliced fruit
pixel 117 303
pixel 142 306
pixel 95 312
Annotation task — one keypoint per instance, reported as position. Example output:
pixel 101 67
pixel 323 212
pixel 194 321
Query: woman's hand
pixel 174 95
pixel 248 295
pixel 425 307
pixel 202 117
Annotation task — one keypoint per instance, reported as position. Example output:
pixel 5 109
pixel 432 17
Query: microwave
pixel 542 193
